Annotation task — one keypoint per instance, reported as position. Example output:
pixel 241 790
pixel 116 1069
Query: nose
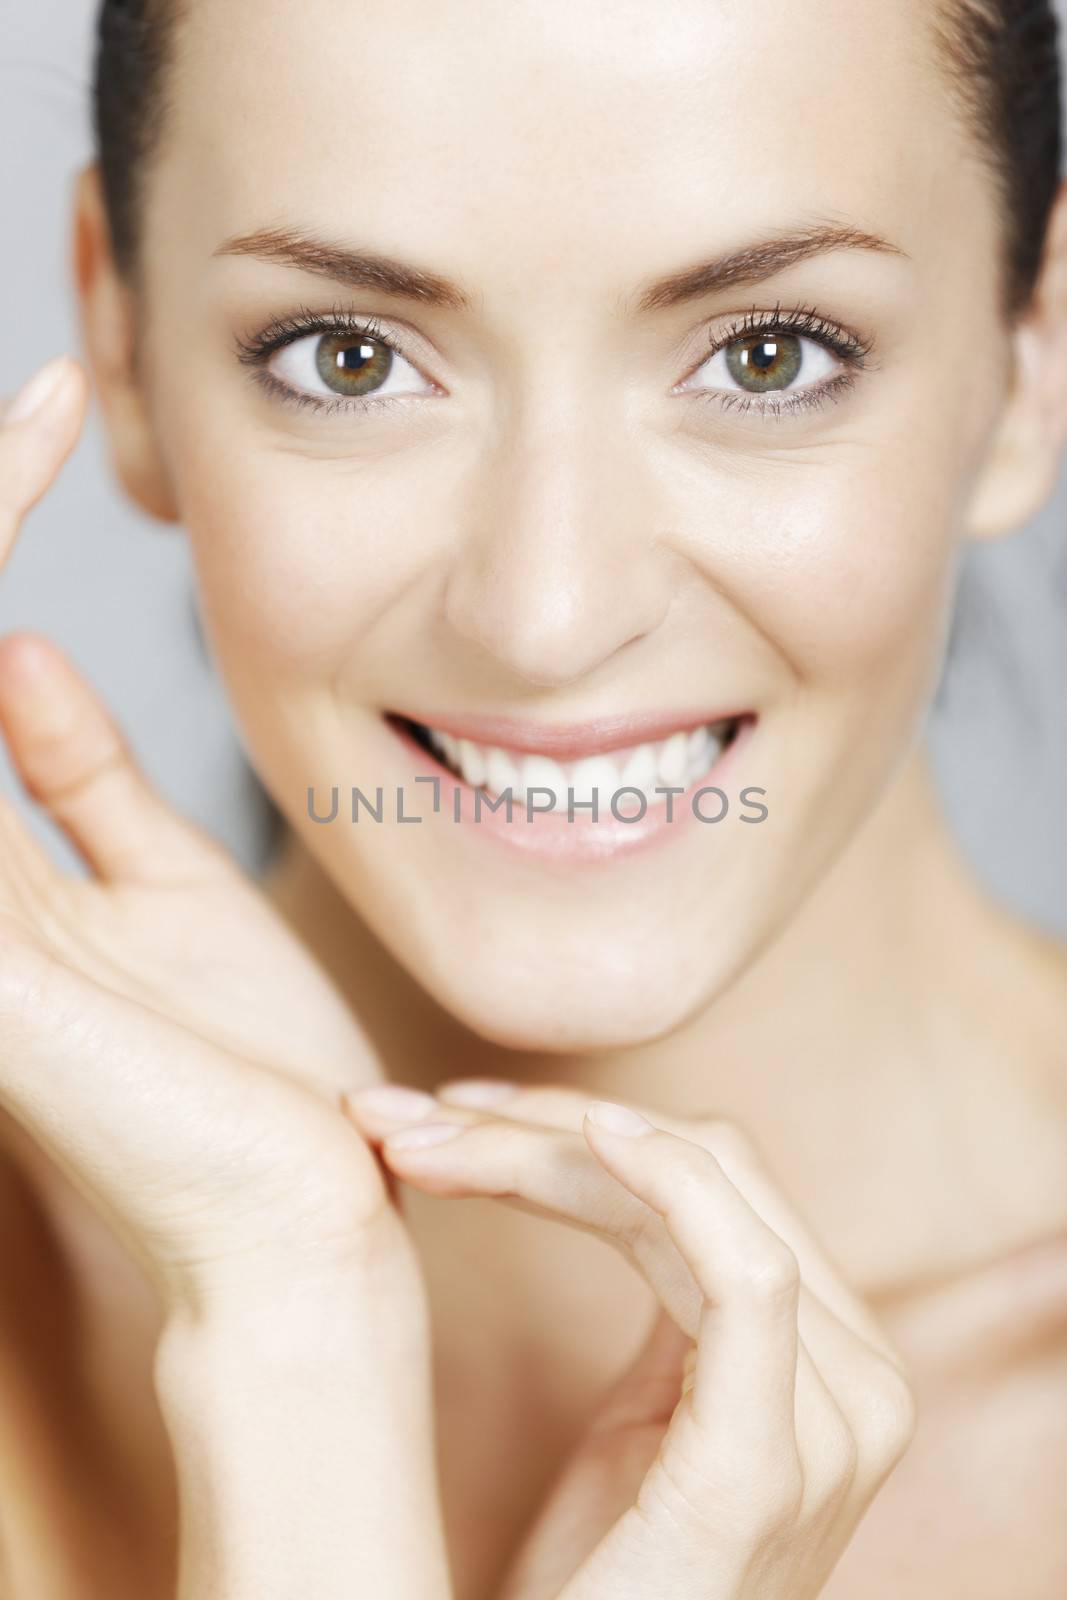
pixel 559 566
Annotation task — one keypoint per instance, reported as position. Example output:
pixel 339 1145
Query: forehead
pixel 525 136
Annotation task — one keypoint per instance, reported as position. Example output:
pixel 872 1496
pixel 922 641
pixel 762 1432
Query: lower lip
pixel 549 835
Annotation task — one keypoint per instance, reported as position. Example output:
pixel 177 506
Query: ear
pixel 1023 460
pixel 110 329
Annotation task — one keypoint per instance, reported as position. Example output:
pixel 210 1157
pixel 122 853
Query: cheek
pixel 844 561
pixel 862 576
pixel 840 559
pixel 297 559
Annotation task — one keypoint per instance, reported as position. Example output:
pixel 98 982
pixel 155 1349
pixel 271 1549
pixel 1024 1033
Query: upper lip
pixel 569 741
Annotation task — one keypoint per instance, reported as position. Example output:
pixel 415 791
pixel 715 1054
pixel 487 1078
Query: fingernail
pixel 392 1100
pixel 35 395
pixel 618 1119
pixel 477 1091
pixel 425 1133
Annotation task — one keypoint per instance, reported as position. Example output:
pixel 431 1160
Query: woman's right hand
pixel 167 917
pixel 206 1128
pixel 162 997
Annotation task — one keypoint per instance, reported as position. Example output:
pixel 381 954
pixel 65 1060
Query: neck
pixel 879 1034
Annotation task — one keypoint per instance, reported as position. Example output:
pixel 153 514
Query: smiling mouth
pixel 676 762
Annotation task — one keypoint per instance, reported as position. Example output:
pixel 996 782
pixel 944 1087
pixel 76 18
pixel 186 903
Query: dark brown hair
pixel 131 78
pixel 1002 65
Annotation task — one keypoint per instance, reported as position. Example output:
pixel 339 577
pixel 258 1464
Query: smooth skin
pixel 281 1266
pixel 174 1052
pixel 784 1418
pixel 559 519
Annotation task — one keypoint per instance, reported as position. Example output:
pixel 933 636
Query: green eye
pixel 352 364
pixel 331 365
pixel 764 362
pixel 750 364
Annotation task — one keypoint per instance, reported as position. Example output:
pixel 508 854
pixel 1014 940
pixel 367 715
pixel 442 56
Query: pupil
pixel 760 364
pixel 353 364
pixel 355 356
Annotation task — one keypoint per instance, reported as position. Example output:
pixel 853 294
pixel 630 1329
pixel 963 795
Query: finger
pixel 27 871
pixel 73 759
pixel 560 1107
pixel 744 1374
pixel 553 1172
pixel 572 1177
pixel 550 1172
pixel 602 1476
pixel 544 1171
pixel 34 446
pixel 534 1169
pixel 853 1407
pixel 711 1505
pixel 811 1423
pixel 152 1122
pixel 849 1404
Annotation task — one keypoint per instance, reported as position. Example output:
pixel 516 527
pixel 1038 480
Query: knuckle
pixel 688 1189
pixel 501 1154
pixel 342 1211
pixel 769 1277
pixel 66 771
pixel 844 1456
pixel 512 1139
pixel 684 1202
pixel 893 1414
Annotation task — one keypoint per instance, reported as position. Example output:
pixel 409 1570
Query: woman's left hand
pixel 738 1471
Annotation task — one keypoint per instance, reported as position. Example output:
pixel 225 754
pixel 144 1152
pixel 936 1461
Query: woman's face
pixel 583 495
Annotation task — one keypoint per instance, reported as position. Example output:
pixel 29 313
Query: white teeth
pixel 500 772
pixel 542 772
pixel 705 749
pixel 639 771
pixel 679 760
pixel 672 756
pixel 599 773
pixel 471 763
pixel 699 744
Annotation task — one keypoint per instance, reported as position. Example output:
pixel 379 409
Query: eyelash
pixel 850 347
pixel 257 351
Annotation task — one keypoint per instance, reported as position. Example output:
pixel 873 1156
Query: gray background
pixel 115 589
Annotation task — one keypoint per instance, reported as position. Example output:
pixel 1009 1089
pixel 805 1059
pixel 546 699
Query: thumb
pixel 74 760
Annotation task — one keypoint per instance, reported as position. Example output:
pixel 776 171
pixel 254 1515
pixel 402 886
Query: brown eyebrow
pixel 359 269
pixel 755 262
pixel 362 269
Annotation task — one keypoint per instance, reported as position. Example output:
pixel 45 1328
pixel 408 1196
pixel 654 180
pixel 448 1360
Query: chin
pixel 564 1002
